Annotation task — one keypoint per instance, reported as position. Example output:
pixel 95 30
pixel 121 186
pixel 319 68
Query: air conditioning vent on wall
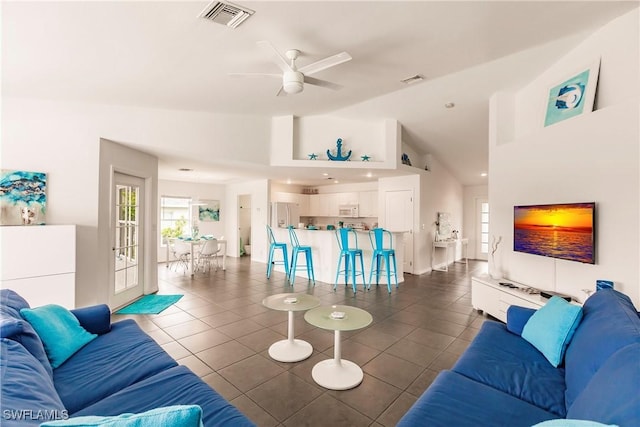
pixel 228 14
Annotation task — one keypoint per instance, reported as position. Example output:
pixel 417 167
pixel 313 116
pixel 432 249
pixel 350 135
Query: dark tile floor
pixel 221 331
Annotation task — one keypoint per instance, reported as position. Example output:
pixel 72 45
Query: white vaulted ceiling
pixel 161 55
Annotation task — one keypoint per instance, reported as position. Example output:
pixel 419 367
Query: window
pixel 174 217
pixel 484 228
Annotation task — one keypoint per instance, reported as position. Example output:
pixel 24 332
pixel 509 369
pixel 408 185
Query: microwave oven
pixel 348 211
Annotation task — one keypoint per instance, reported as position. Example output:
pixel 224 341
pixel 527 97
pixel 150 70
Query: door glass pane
pixel 484 228
pixel 126 238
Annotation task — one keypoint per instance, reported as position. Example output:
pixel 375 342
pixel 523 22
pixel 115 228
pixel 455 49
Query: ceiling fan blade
pixel 281 92
pixel 322 83
pixel 325 63
pixel 275 56
pixel 254 75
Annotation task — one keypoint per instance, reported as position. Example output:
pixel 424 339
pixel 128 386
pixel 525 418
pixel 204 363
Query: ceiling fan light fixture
pixel 293 82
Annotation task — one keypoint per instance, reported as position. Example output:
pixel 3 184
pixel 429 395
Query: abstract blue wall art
pixel 23 197
pixel 572 97
pixel 210 211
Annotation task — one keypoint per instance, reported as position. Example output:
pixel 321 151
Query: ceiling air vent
pixel 413 79
pixel 228 14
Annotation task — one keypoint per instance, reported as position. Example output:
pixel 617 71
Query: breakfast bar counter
pixel 324 247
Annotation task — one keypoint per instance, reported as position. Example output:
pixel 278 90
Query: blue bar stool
pixel 378 236
pixel 273 245
pixel 349 252
pixel 306 250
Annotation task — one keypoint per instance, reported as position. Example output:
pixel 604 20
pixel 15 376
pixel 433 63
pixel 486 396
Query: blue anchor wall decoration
pixel 338 157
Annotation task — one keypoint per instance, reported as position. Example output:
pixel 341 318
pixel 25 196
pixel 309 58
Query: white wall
pixel 196 191
pixel 592 157
pixel 472 194
pixel 434 191
pixel 63 139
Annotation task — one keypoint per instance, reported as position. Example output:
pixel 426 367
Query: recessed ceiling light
pixel 483 174
pixel 325 174
pixel 336 181
pixel 449 105
pixel 288 181
pixel 369 175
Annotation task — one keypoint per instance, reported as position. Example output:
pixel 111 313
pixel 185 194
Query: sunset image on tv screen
pixel 561 231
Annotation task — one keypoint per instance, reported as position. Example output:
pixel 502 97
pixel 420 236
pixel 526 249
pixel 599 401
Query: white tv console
pixel 489 296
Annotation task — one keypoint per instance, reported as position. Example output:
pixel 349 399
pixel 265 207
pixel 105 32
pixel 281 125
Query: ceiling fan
pixel 294 78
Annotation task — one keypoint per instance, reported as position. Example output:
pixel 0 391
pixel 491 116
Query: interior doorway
pixel 244 224
pixel 127 226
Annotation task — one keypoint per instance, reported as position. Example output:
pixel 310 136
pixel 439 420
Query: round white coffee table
pixel 337 373
pixel 290 350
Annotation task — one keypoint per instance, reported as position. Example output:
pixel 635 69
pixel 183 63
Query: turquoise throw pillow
pixel 178 415
pixel 59 330
pixel 551 328
pixel 572 423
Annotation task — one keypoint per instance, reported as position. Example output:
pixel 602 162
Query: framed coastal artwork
pixel 209 211
pixel 573 96
pixel 23 197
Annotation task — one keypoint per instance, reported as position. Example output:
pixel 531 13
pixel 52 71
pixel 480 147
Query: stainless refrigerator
pixel 284 214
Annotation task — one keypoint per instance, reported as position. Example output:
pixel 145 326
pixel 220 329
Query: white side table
pixel 337 373
pixel 291 349
pixel 447 244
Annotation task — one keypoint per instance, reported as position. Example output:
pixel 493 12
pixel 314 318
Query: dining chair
pixel 182 254
pixel 209 252
pixel 349 252
pixel 297 249
pixel 382 244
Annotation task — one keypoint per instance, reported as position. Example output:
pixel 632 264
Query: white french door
pixel 127 239
pixel 482 228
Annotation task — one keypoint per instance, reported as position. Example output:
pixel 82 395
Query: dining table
pixel 195 244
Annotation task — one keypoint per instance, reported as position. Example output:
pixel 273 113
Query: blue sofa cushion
pixel 28 396
pixel 14 327
pixel 108 364
pixel 175 386
pixel 610 322
pixel 517 317
pixel 178 415
pixel 95 319
pixel 510 364
pixel 613 394
pixel 455 400
pixel 551 328
pixel 59 330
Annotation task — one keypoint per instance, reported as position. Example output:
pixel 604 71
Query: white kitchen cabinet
pixel 350 198
pixel 39 263
pixel 368 202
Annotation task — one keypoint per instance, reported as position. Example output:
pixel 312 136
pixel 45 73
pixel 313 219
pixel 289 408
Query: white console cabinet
pixel 39 263
pixel 490 297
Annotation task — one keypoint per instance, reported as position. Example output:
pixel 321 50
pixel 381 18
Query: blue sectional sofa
pixel 503 380
pixel 122 370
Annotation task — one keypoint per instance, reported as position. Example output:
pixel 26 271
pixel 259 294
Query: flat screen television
pixel 564 231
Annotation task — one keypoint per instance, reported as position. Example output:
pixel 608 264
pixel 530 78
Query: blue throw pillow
pixel 59 330
pixel 178 415
pixel 572 423
pixel 551 328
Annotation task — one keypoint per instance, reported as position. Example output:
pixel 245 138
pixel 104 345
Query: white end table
pixel 291 349
pixel 337 373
